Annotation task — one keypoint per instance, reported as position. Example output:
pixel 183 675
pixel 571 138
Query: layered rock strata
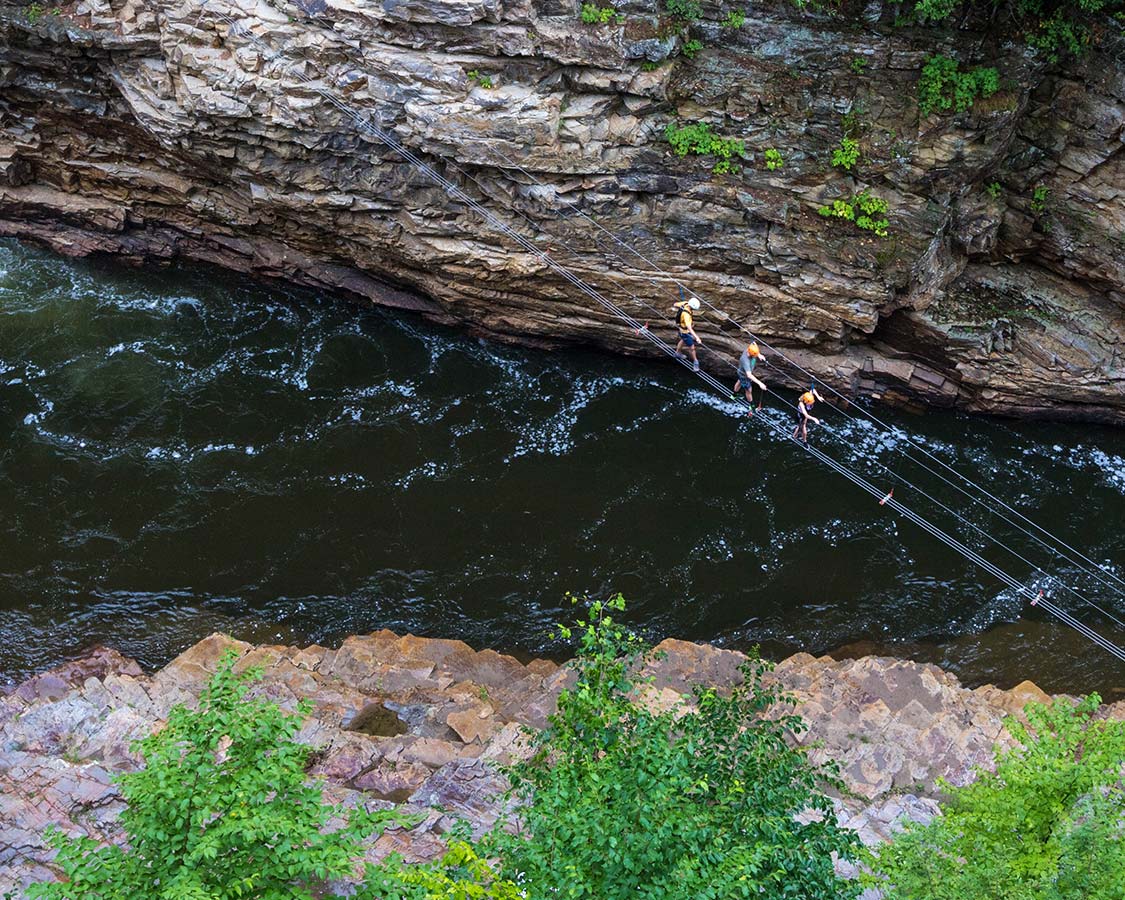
pixel 150 131
pixel 428 724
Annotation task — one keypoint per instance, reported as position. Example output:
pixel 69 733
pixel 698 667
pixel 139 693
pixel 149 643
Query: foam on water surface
pixel 186 453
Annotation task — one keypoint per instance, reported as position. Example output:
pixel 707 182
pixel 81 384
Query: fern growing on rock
pixel 699 139
pixel 943 86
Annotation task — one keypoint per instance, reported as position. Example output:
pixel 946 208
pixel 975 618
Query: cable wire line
pixel 365 124
pixel 1087 566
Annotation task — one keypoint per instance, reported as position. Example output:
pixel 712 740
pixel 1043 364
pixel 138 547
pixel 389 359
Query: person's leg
pixel 680 348
pixel 689 342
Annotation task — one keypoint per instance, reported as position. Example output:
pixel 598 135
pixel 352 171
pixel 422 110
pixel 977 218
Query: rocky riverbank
pixel 425 723
pixel 147 130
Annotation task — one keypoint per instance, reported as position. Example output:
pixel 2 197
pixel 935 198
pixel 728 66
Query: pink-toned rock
pixel 894 727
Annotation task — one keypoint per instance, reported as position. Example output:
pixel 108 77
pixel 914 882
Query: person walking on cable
pixel 751 356
pixel 804 414
pixel 685 324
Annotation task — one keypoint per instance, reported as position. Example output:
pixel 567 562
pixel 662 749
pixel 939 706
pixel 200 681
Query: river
pixel 184 451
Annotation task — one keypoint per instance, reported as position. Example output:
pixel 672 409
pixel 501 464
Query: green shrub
pixel 691 48
pixel 592 14
pixel 687 10
pixel 859 65
pixel 698 138
pixel 943 86
pixel 865 210
pixel 34 13
pixel 774 160
pixel 993 190
pixel 818 6
pixel 221 809
pixel 1048 824
pixel 934 10
pixel 1039 197
pixel 626 802
pixel 485 81
pixel 846 154
pixel 461 874
pixel 1055 27
pixel 735 19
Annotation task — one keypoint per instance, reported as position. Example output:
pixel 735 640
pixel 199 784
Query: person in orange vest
pixel 686 327
pixel 804 414
pixel 751 356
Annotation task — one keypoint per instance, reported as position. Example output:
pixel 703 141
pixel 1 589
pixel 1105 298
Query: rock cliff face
pixel 148 130
pixel 427 723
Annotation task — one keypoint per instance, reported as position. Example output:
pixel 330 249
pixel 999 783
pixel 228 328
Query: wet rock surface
pixel 894 726
pixel 155 131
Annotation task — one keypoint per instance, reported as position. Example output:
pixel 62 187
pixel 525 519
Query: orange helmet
pixel 753 349
pixel 807 398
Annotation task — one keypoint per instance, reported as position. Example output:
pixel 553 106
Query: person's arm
pixel 816 394
pixel 758 381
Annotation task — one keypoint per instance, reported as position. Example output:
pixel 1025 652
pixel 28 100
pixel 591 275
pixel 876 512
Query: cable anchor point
pixel 1035 602
pixel 890 494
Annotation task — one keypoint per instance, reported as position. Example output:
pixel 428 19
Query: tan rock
pixel 475 724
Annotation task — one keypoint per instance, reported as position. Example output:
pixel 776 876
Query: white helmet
pixel 693 303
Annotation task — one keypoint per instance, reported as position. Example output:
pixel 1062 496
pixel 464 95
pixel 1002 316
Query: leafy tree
pixel 222 809
pixel 1048 824
pixel 625 801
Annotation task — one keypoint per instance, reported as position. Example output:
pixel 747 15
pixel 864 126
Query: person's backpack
pixel 681 308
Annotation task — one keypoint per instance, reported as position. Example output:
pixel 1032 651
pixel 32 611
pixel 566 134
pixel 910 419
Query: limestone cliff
pixel 430 723
pixel 146 130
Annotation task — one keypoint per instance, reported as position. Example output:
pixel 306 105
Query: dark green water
pixel 183 452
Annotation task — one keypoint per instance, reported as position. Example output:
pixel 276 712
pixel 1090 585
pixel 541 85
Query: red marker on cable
pixel 1035 602
pixel 642 330
pixel 888 497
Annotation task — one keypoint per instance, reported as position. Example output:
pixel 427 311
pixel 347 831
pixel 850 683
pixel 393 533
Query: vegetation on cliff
pixel 629 792
pixel 1048 824
pixel 625 799
pixel 221 809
